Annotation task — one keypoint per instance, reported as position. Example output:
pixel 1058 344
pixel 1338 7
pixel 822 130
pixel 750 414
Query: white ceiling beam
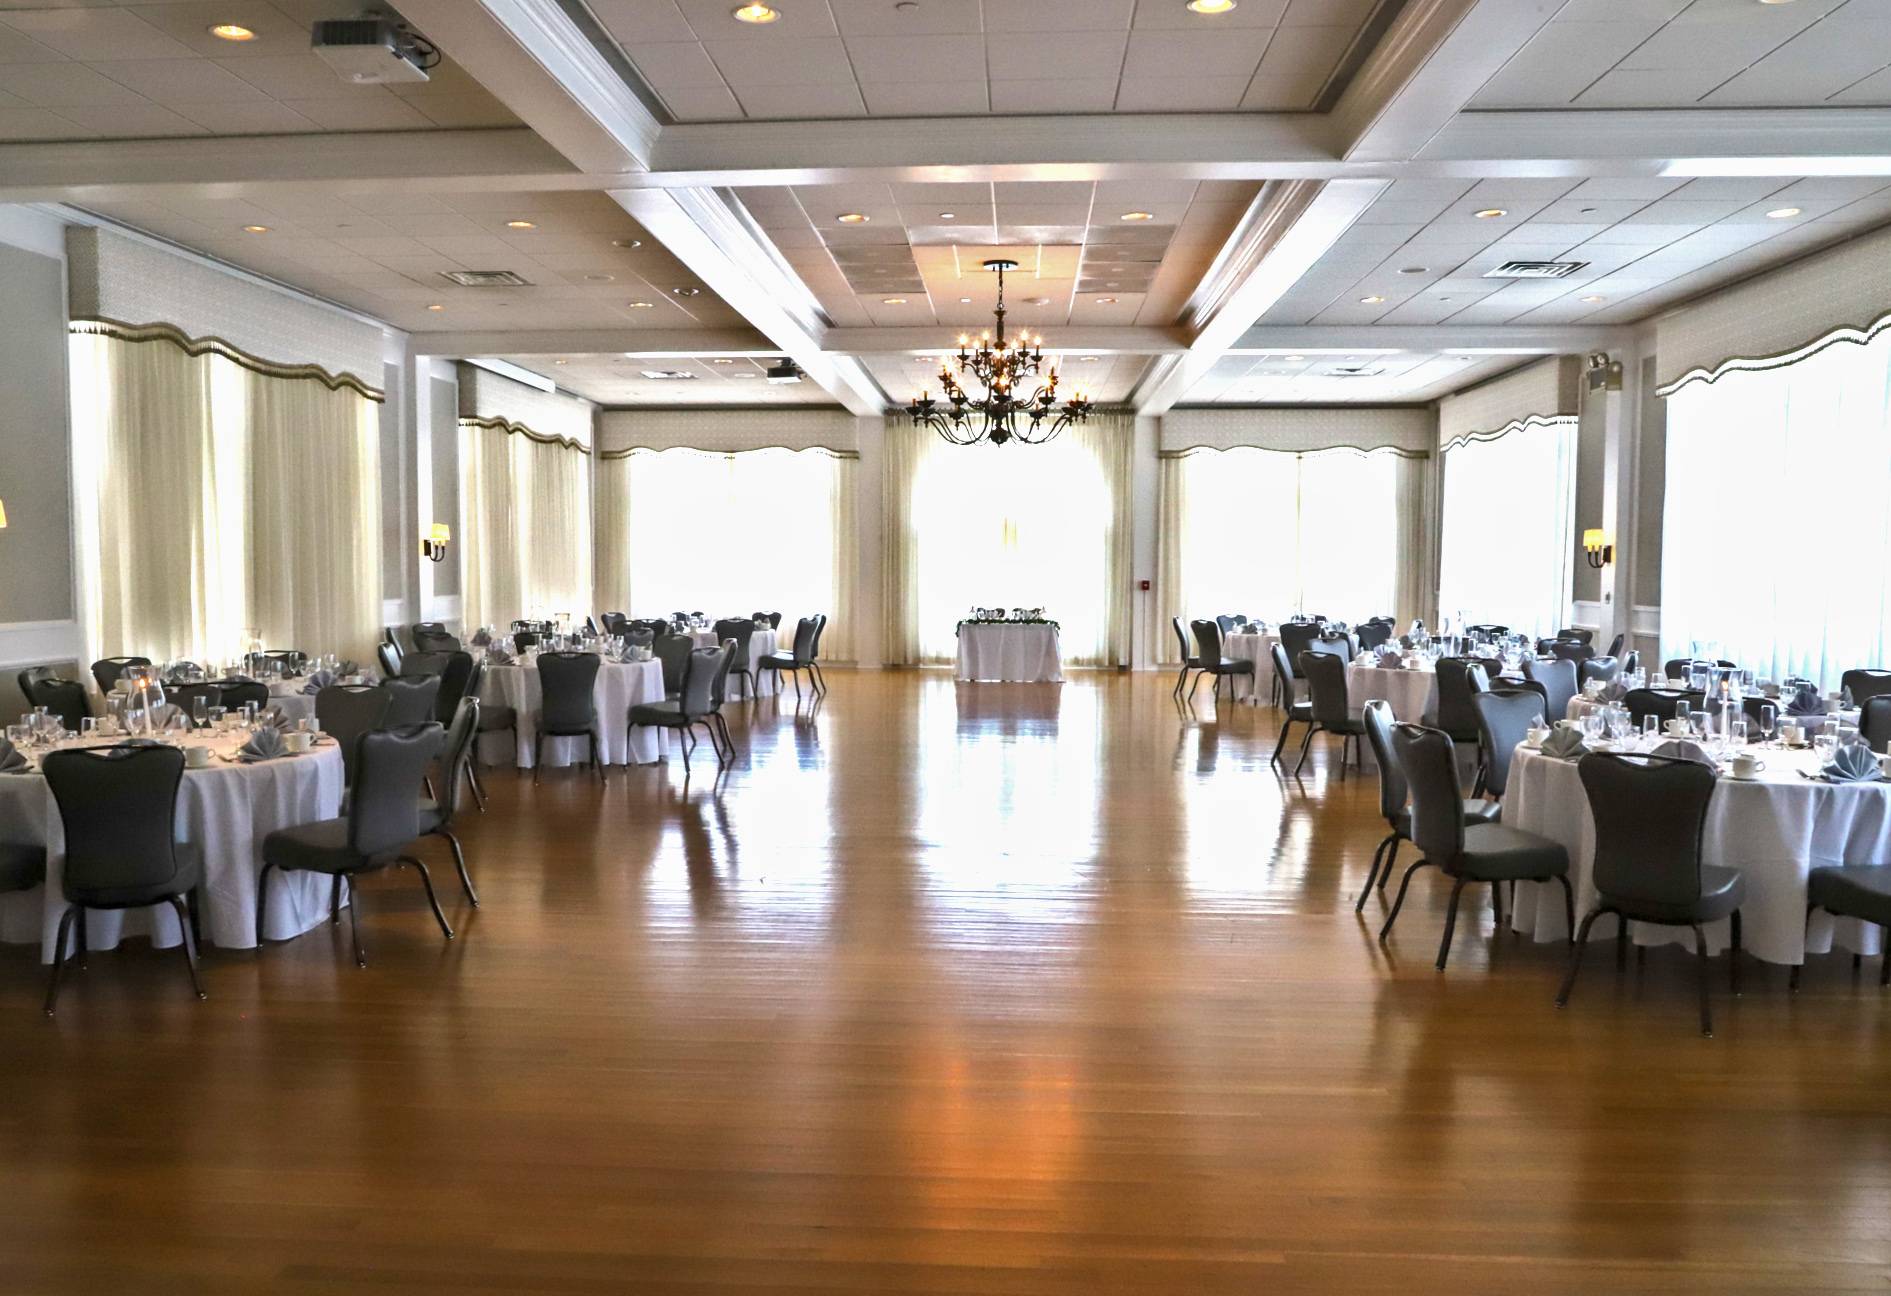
pixel 1800 141
pixel 1449 339
pixel 653 343
pixel 921 340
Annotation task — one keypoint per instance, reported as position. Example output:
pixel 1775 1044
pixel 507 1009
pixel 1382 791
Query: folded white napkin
pixel 265 744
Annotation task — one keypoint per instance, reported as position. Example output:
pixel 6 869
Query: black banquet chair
pixel 494 717
pixel 346 711
pixel 739 632
pixel 807 640
pixel 1486 852
pixel 1861 891
pixel 1298 710
pixel 65 698
pixel 1212 662
pixel 694 705
pixel 108 670
pixel 119 809
pixel 455 670
pixel 409 700
pixel 1376 715
pixel 1504 717
pixel 1189 660
pixel 1459 680
pixel 436 815
pixel 1649 814
pixel 382 825
pixel 1325 674
pixel 1863 684
pixel 1558 679
pixel 568 704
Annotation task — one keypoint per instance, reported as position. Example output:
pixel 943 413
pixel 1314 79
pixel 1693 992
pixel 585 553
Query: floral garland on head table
pixel 1017 616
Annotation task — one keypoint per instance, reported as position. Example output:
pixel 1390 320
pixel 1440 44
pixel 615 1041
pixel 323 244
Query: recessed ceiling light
pixel 852 218
pixel 627 243
pixel 1414 269
pixel 256 229
pixel 561 362
pixel 1489 212
pixel 719 360
pixel 600 278
pixel 965 299
pixel 1089 357
pixel 1106 301
pixel 1592 299
pixel 232 32
pixel 520 225
pixel 892 301
pixel 742 375
pixel 1210 6
pixel 1781 213
pixel 436 308
pixel 948 215
pixel 756 13
pixel 1367 301
pixel 640 306
pixel 1776 1
pixel 1144 215
pixel 686 291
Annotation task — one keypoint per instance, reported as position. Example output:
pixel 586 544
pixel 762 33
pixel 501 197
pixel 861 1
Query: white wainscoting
pixel 37 643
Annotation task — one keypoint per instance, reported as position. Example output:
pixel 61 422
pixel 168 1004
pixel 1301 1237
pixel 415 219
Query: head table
pixel 1774 829
pixel 226 810
pixel 1024 652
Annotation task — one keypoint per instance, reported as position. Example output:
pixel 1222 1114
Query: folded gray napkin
pixel 482 637
pixel 1855 762
pixel 1683 749
pixel 265 744
pixel 498 654
pixel 275 718
pixel 319 680
pixel 1389 660
pixel 11 758
pixel 1565 741
pixel 1614 691
pixel 1806 702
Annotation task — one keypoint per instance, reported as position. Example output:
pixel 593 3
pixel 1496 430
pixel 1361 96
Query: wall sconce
pixel 3 515
pixel 1600 555
pixel 433 544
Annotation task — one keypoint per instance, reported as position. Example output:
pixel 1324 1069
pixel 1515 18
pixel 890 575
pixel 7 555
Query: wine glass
pixel 200 710
pixel 1737 732
pixel 1697 721
pixel 1651 727
pixel 1769 720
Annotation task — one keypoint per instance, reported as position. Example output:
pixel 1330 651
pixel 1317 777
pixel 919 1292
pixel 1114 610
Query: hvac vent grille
pixel 1535 269
pixel 487 278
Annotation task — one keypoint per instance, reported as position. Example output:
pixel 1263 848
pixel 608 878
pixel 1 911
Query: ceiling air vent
pixel 487 278
pixel 668 375
pixel 1535 269
pixel 1355 371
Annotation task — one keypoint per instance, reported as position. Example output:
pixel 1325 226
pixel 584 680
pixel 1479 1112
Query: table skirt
pixel 620 686
pixel 1018 653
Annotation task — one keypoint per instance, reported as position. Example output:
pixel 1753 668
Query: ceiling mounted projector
pixel 785 372
pixel 373 50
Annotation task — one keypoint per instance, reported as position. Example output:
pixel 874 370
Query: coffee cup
pixel 1791 734
pixel 297 741
pixel 196 758
pixel 1746 766
pixel 1884 764
pixel 1536 735
pixel 1677 728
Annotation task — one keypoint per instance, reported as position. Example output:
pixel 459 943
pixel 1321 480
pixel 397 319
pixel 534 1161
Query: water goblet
pixel 1697 721
pixel 200 709
pixel 1737 732
pixel 1591 726
pixel 1651 726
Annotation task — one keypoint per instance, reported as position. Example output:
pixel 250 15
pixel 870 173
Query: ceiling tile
pixel 1170 15
pixel 674 65
pixel 813 62
pixel 132 120
pixel 94 33
pixel 1056 56
pixel 1168 54
pixel 643 20
pixel 917 58
pixel 713 21
pixel 707 103
pixel 189 80
pixel 1059 15
pixel 885 18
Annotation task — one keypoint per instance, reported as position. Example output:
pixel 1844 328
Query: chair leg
pixel 459 862
pixel 1575 957
pixel 1391 862
pixel 1305 743
pixel 1884 956
pixel 85 945
pixel 1372 874
pixel 262 901
pixel 597 757
pixel 1621 942
pixel 1285 727
pixel 354 926
pixel 819 676
pixel 59 959
pixel 1399 903
pixel 334 901
pixel 1451 924
pixel 1569 905
pixel 1176 692
pixel 1343 740
pixel 190 946
pixel 1700 950
pixel 426 880
pixel 479 793
pixel 1733 956
pixel 1197 684
pixel 1792 978
pixel 538 754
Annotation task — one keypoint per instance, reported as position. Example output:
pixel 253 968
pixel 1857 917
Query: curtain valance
pixel 1411 430
pixel 510 428
pixel 728 430
pixel 198 346
pixel 1535 394
pixel 1757 364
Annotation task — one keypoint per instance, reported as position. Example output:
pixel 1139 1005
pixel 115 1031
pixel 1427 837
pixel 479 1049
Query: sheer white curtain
pixel 1010 526
pixel 1783 583
pixel 215 502
pixel 525 519
pixel 1508 513
pixel 1270 532
pixel 731 533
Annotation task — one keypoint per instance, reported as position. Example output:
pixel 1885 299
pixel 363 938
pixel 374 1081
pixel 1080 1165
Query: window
pixel 1271 532
pixel 1509 505
pixel 1777 523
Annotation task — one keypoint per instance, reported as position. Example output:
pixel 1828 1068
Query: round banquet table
pixel 1024 653
pixel 1774 829
pixel 761 644
pixel 1256 689
pixel 288 697
pixel 1412 693
pixel 227 810
pixel 619 687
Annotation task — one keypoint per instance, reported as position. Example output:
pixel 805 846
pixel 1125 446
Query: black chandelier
pixel 1001 415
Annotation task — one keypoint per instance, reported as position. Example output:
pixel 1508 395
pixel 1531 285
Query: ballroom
pixel 951 647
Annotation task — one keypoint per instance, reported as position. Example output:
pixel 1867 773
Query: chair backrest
pixel 1578 634
pixel 458 750
pixel 390 657
pixel 1558 679
pixel 409 700
pixel 1631 660
pixel 1376 715
pixel 1504 717
pixel 804 640
pixel 673 651
pixel 384 801
pixel 291 659
pixel 1325 675
pixel 119 807
pixel 1298 635
pixel 238 693
pixel 1340 648
pixel 567 683
pixel 699 682
pixel 718 690
pixel 1207 641
pixel 347 711
pixel 591 626
pixel 1429 763
pixel 1597 668
pixel 1456 716
pixel 739 633
pixel 418 665
pixel 1283 671
pixel 615 623
pixel 1649 814
pixel 1372 635
pixel 63 697
pixel 1864 683
pixel 431 636
pixel 820 628
pixel 639 638
pixel 1181 640
pixel 185 696
pixel 1570 651
pixel 455 670
pixel 1663 706
pixel 107 670
pixel 1615 648
pixel 1874 721
pixel 1224 623
pixel 523 639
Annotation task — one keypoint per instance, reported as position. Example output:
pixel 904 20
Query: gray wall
pixel 1591 451
pixel 35 468
pixel 1653 485
pixel 445 433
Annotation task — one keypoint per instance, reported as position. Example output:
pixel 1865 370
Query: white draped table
pixel 1019 653
pixel 761 644
pixel 1774 829
pixel 1412 693
pixel 1256 689
pixel 226 810
pixel 619 687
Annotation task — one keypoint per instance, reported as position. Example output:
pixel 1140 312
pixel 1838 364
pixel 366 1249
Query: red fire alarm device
pixel 1145 584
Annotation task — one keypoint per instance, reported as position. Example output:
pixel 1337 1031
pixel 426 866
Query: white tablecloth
pixel 226 810
pixel 1412 693
pixel 1775 829
pixel 1258 689
pixel 761 644
pixel 1021 653
pixel 620 686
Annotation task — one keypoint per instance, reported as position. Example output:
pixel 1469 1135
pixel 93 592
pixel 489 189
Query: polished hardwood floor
pixel 990 989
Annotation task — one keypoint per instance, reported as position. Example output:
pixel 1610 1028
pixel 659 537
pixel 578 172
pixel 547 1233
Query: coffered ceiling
pixel 1193 199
